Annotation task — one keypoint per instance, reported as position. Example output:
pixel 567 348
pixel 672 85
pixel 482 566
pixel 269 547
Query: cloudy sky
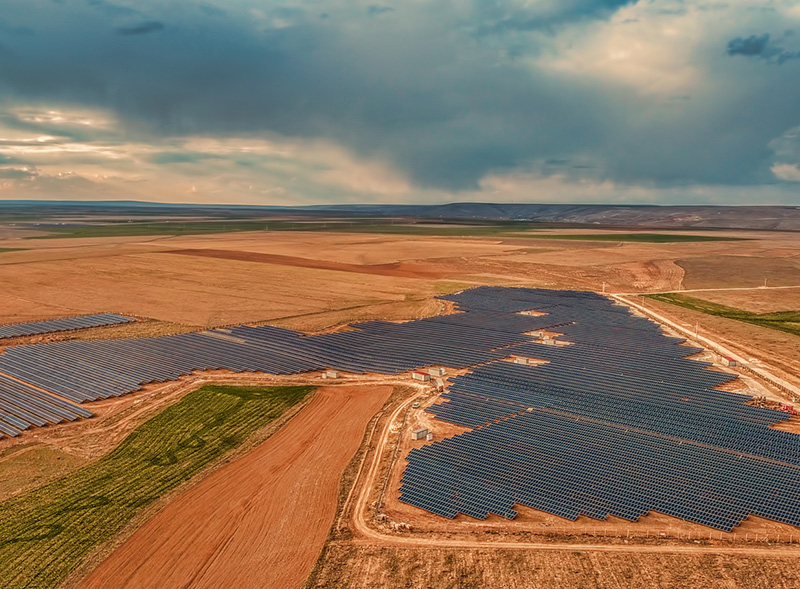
pixel 319 101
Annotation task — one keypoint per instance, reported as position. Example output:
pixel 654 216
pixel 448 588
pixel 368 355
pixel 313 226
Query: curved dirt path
pixel 260 521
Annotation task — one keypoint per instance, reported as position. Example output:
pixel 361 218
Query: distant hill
pixel 785 218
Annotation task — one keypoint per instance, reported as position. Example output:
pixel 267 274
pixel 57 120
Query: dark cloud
pixel 211 10
pixel 750 46
pixel 181 157
pixel 113 9
pixel 761 46
pixel 446 110
pixel 9 29
pixel 144 28
pixel 505 16
pixel 376 9
pixel 18 173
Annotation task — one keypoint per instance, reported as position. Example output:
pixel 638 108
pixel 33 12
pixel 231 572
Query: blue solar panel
pixel 65 324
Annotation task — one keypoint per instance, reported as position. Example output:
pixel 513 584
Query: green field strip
pixel 467 228
pixel 46 533
pixel 786 321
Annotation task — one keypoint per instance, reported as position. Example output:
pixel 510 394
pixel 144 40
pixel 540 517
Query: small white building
pixel 522 360
pixel 437 371
pixel 418 434
pixel 728 361
pixel 330 374
pixel 429 436
pixel 423 376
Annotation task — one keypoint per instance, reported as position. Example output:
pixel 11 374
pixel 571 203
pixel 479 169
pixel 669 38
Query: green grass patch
pixel 46 533
pixel 143 229
pixel 786 321
pixel 11 249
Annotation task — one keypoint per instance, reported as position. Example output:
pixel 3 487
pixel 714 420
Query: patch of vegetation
pixel 452 228
pixel 46 533
pixel 11 249
pixel 787 321
pixel 143 229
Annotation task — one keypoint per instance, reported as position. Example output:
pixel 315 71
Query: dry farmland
pixel 317 282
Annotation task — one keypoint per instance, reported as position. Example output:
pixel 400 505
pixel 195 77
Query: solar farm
pixel 618 422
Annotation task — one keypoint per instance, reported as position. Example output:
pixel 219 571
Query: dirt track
pixel 261 521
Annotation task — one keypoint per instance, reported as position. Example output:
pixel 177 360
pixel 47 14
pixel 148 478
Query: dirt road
pixel 262 520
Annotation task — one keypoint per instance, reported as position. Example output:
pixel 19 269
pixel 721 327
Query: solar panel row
pixel 66 324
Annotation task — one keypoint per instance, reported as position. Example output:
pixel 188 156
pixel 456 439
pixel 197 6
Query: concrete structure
pixel 415 405
pixel 521 360
pixel 429 437
pixel 421 376
pixel 437 371
pixel 727 361
pixel 330 374
pixel 418 434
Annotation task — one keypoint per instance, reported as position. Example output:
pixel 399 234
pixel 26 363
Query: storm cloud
pixel 762 47
pixel 150 26
pixel 445 93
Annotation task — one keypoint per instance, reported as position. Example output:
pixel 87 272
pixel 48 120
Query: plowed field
pixel 261 521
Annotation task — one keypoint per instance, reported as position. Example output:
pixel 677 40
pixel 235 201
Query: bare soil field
pixel 756 301
pixel 359 249
pixel 261 520
pixel 741 270
pixel 375 567
pixel 401 269
pixel 286 276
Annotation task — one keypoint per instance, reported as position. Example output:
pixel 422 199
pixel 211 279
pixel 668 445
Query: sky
pixel 421 101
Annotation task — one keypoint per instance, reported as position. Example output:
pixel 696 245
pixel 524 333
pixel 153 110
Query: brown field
pixel 318 279
pixel 260 521
pixel 317 282
pixel 756 301
pixel 357 567
pixel 778 267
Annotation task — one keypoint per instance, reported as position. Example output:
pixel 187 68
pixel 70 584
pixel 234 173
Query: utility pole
pixel 604 287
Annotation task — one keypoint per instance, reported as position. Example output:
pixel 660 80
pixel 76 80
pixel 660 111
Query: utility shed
pixel 330 374
pixel 421 376
pixel 418 434
pixel 437 371
pixel 521 360
pixel 727 361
